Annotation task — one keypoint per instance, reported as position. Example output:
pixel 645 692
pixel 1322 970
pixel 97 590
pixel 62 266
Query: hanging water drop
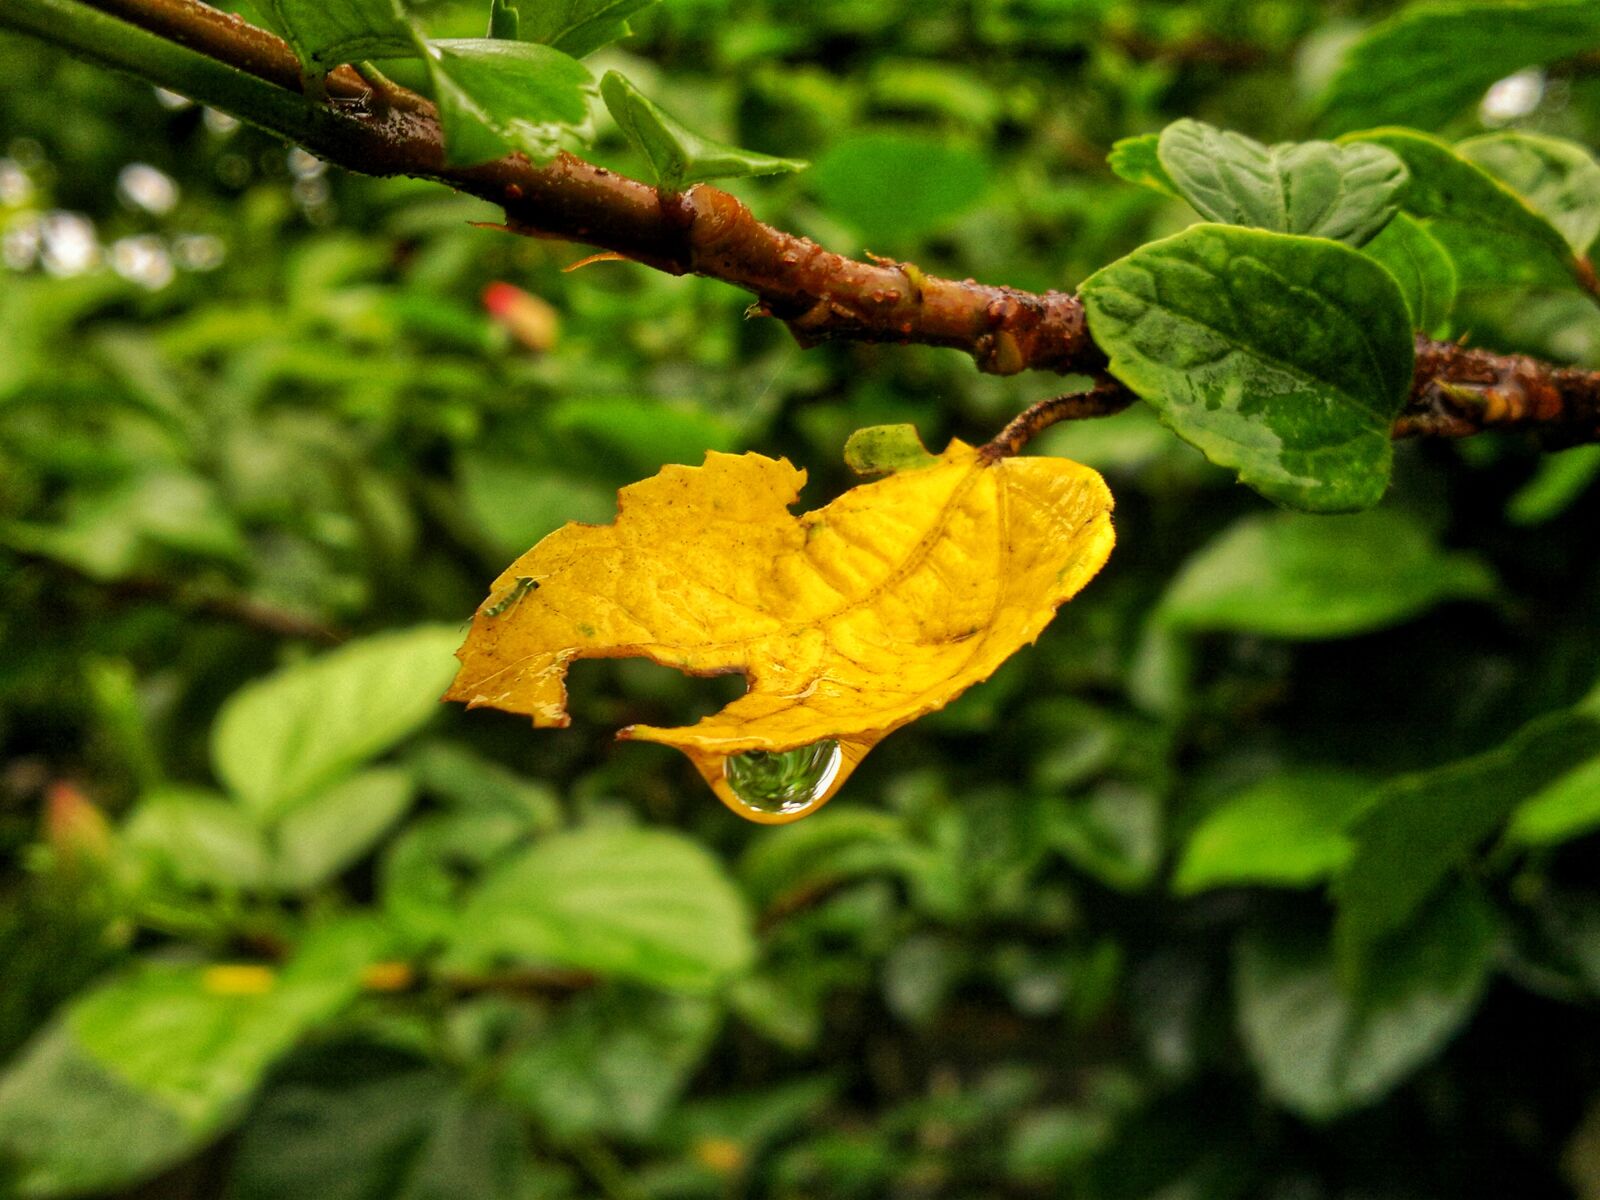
pixel 783 781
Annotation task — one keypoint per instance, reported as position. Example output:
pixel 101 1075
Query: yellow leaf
pixel 847 622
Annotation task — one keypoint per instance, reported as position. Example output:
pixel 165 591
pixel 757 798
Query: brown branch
pixel 820 295
pixel 1106 397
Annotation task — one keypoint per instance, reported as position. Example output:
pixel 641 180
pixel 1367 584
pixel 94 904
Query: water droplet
pixel 783 781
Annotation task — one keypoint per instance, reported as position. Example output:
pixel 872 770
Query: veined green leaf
pixel 1137 160
pixel 631 903
pixel 1422 267
pixel 1283 357
pixel 1426 63
pixel 1494 239
pixel 326 33
pixel 577 27
pixel 1322 1050
pixel 1424 825
pixel 1292 576
pixel 496 96
pixel 1347 193
pixel 1558 179
pixel 677 155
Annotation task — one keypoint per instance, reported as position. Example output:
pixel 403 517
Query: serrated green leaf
pixel 308 726
pixel 678 156
pixel 1422 267
pixel 1286 831
pixel 496 96
pixel 578 27
pixel 1558 179
pixel 1291 576
pixel 1347 193
pixel 1425 64
pixel 1423 826
pixel 883 449
pixel 1494 239
pixel 1137 160
pixel 326 33
pixel 1322 1051
pixel 631 903
pixel 1283 357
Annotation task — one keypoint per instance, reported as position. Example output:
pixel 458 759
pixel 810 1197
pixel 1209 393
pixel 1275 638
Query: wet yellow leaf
pixel 848 622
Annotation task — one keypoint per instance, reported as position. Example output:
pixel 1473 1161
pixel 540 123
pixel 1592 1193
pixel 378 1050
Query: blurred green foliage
pixel 276 925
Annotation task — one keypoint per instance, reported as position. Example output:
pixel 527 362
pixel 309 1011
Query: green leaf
pixel 198 839
pixel 305 727
pixel 1422 826
pixel 1558 482
pixel 821 852
pixel 159 1061
pixel 326 33
pixel 636 904
pixel 578 27
pixel 1114 836
pixel 612 1063
pixel 677 155
pixel 1321 1051
pixel 1137 159
pixel 328 831
pixel 362 1123
pixel 504 20
pixel 884 449
pixel 1347 193
pixel 1569 808
pixel 894 188
pixel 423 873
pixel 1422 267
pixel 1291 576
pixel 1285 358
pixel 1494 239
pixel 1425 64
pixel 1558 179
pixel 496 96
pixel 1286 831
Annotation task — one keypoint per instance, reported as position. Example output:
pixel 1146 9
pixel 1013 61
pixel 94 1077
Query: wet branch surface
pixel 821 296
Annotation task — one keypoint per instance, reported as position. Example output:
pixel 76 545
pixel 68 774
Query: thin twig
pixel 1106 397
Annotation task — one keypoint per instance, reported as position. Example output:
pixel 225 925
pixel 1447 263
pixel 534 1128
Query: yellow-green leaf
pixel 848 622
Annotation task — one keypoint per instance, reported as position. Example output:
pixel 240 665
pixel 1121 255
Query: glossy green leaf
pixel 678 156
pixel 1494 239
pixel 1285 358
pixel 359 1123
pixel 328 831
pixel 635 904
pixel 159 1061
pixel 1286 831
pixel 326 33
pixel 1569 808
pixel 577 27
pixel 897 187
pixel 884 449
pixel 1558 179
pixel 1292 576
pixel 611 1063
pixel 1347 193
pixel 306 727
pixel 1322 1051
pixel 1424 825
pixel 1422 267
pixel 1137 160
pixel 496 96
pixel 1428 62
